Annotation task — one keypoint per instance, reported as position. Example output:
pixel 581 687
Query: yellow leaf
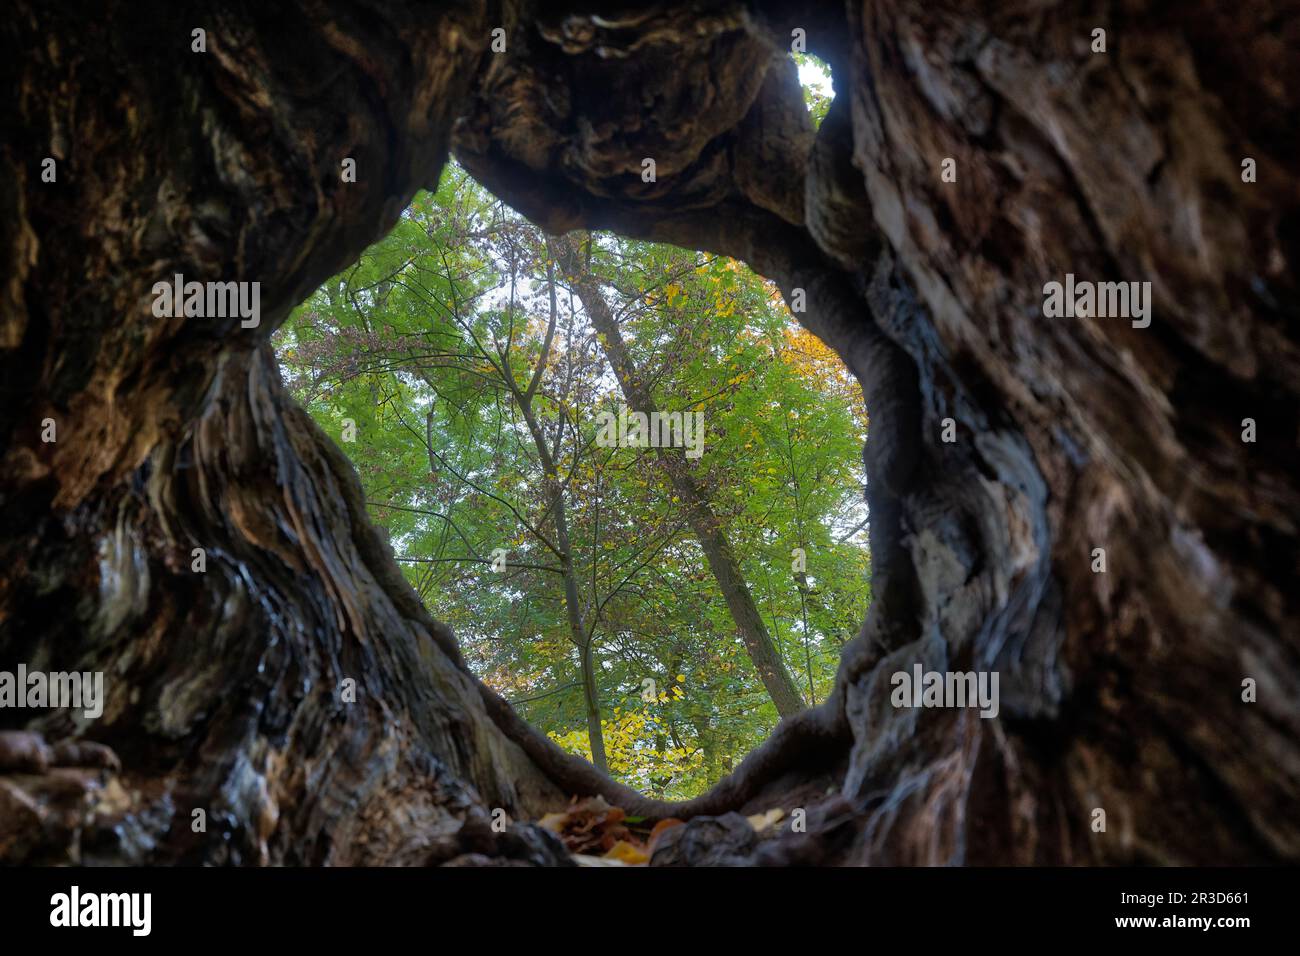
pixel 761 821
pixel 553 821
pixel 627 853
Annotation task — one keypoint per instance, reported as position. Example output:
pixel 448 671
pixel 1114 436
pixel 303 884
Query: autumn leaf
pixel 627 853
pixel 761 821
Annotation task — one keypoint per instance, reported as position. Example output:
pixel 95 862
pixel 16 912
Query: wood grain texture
pixel 1120 690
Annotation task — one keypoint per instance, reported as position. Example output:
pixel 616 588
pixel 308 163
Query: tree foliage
pixel 464 378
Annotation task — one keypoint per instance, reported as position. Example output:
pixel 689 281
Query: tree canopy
pixel 461 371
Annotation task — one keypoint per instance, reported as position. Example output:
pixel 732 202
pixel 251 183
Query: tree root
pixel 796 743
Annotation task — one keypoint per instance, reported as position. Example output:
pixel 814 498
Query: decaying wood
pixel 1120 691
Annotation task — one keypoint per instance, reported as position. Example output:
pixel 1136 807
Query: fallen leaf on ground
pixel 592 830
pixel 761 821
pixel 659 829
pixel 627 853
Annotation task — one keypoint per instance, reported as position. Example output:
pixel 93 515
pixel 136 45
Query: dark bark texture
pixel 1120 691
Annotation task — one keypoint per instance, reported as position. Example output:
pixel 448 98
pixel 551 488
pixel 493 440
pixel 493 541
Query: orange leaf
pixel 659 828
pixel 627 853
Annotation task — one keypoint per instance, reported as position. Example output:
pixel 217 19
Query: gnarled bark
pixel 1120 691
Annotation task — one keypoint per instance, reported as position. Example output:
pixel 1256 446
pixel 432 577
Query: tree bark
pixel 1120 691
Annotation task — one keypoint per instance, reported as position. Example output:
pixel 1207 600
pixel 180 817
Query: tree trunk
pixel 591 698
pixel 699 512
pixel 580 632
pixel 226 689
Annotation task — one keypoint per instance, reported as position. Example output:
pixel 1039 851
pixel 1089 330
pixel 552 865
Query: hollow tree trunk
pixel 1121 691
pixel 724 564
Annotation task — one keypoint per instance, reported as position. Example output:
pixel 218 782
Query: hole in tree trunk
pixel 621 471
pixel 1097 509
